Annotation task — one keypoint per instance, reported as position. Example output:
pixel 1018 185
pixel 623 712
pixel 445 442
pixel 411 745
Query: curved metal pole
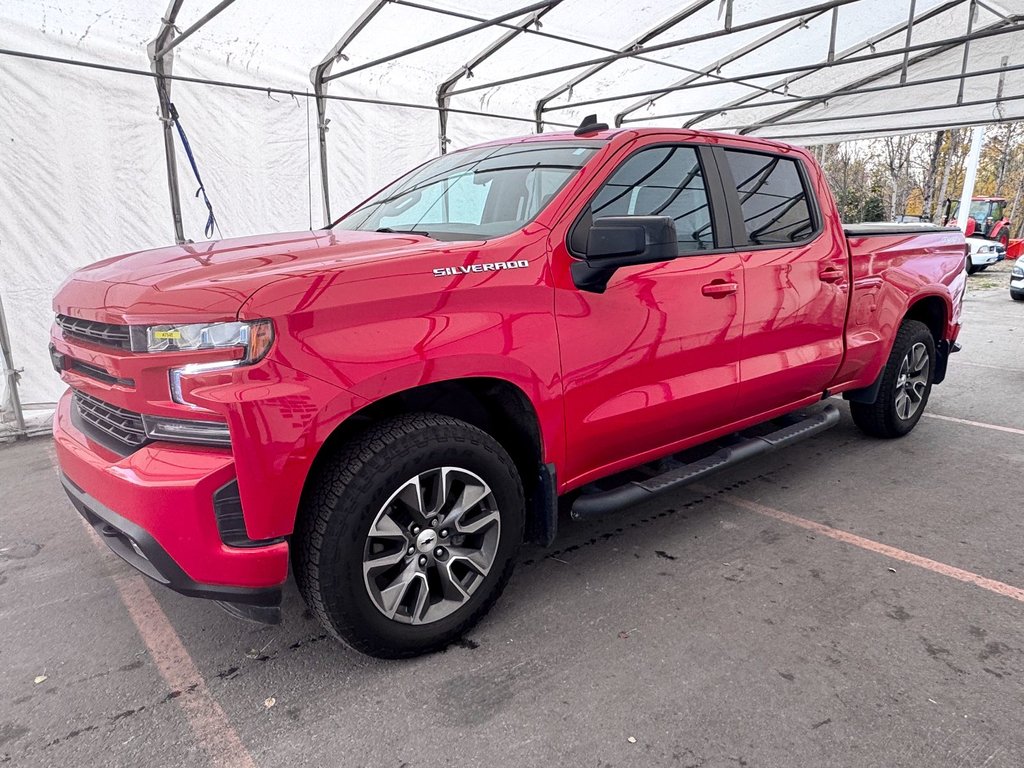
pixel 760 42
pixel 633 45
pixel 317 76
pixel 991 30
pixel 832 57
pixel 444 88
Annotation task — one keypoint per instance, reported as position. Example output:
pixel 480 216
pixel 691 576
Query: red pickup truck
pixel 393 404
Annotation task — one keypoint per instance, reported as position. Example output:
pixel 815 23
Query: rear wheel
pixel 409 534
pixel 906 385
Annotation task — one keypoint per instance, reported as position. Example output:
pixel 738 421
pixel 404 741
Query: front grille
pixel 96 372
pixel 104 334
pixel 117 428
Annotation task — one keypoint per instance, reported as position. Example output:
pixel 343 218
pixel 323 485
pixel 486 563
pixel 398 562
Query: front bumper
pixel 164 524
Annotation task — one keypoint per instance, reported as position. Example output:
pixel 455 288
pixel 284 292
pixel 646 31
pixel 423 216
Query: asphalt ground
pixel 845 602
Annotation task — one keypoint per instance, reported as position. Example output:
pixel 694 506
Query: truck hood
pixel 210 281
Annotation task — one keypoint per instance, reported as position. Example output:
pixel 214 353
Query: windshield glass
pixel 475 194
pixel 981 210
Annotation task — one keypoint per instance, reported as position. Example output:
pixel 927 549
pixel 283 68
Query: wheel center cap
pixel 426 540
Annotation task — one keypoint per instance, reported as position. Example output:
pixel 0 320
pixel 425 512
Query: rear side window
pixel 774 199
pixel 661 181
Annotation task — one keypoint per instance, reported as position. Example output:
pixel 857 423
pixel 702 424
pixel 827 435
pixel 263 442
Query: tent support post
pixel 162 65
pixel 971 12
pixel 12 375
pixel 444 88
pixel 970 175
pixel 318 77
pixel 910 34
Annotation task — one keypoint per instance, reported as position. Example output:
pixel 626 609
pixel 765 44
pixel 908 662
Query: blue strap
pixel 211 221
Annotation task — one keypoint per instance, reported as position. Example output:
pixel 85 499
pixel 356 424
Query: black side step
pixel 603 502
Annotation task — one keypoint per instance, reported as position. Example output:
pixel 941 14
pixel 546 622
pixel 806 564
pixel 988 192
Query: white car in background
pixel 1017 281
pixel 984 253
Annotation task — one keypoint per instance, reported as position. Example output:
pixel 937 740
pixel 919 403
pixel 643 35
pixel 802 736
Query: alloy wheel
pixel 912 382
pixel 431 545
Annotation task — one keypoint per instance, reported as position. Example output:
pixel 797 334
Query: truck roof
pixel 610 134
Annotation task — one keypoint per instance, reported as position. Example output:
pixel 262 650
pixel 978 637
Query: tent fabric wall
pixel 81 152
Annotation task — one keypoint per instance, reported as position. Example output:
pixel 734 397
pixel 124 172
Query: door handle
pixel 719 289
pixel 831 275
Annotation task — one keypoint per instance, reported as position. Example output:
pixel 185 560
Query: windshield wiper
pixel 389 230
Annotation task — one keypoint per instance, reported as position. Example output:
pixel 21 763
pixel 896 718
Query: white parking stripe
pixel 993 367
pixel 968 422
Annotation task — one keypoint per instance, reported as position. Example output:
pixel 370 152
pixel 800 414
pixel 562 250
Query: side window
pixel 776 205
pixel 661 181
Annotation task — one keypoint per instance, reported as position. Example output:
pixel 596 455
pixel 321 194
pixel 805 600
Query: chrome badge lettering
pixel 493 266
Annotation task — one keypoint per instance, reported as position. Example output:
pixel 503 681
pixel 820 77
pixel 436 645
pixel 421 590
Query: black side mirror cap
pixel 621 241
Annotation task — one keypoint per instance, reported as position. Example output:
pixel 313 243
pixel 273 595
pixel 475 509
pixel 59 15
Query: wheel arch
pixel 933 311
pixel 494 405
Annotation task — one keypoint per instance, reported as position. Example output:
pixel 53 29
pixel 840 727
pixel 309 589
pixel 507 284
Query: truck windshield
pixel 475 194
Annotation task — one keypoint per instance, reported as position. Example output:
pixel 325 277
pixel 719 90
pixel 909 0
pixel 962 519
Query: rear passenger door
pixel 795 278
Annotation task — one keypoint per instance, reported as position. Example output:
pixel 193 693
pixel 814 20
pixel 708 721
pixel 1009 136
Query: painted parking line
pixel 206 718
pixel 968 422
pixel 968 577
pixel 992 367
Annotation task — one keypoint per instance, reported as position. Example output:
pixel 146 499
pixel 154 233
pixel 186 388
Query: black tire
pixel 880 418
pixel 1017 295
pixel 348 491
pixel 971 269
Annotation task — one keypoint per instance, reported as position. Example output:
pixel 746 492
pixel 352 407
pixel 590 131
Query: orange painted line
pixel 998 587
pixel 997 427
pixel 205 717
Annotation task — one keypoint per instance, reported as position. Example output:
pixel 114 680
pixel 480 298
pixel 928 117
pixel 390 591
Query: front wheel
pixel 906 385
pixel 409 534
pixel 971 269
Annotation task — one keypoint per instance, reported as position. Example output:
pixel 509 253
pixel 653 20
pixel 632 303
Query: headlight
pixel 182 338
pixel 1017 272
pixel 986 249
pixel 255 338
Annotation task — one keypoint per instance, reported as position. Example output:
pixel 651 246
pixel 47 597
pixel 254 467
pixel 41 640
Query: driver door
pixel 654 360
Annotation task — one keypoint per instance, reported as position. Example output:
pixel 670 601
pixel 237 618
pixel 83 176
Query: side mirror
pixel 623 241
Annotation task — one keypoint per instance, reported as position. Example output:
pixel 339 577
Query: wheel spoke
pixel 902 404
pixel 920 358
pixel 411 495
pixel 475 558
pixel 451 589
pixel 392 596
pixel 384 527
pixel 476 525
pixel 372 566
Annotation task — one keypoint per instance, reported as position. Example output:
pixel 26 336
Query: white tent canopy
pixel 83 154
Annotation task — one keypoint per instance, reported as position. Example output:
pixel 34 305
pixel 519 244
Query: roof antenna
pixel 590 125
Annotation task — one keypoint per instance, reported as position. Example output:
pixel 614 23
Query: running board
pixel 603 502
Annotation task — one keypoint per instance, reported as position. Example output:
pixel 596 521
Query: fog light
pixel 187 430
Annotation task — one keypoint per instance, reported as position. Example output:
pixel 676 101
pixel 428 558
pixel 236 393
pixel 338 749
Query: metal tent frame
pixel 526 21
